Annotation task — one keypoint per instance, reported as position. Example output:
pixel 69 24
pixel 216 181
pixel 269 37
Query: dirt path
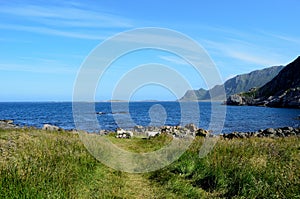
pixel 137 186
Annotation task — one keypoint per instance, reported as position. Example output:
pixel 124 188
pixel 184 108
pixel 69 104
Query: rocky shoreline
pixel 288 99
pixel 175 131
pixel 192 130
pixel 269 132
pixel 282 91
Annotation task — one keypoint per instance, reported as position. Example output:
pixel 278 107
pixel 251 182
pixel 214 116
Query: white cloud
pixel 67 21
pixel 67 16
pixel 245 51
pixel 165 40
pixel 253 58
pixel 173 59
pixel 39 66
pixel 50 31
pixel 286 38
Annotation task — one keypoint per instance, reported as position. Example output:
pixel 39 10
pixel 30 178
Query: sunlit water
pixel 244 118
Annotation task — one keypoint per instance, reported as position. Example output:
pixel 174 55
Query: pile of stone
pixel 192 130
pixel 7 124
pixel 187 130
pixel 121 133
pixel 152 131
pixel 269 132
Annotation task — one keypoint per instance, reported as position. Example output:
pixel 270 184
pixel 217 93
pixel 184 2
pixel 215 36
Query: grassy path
pixel 35 163
pixel 139 187
pixel 40 164
pixel 116 184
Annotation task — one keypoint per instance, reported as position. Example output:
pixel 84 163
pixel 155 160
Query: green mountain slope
pixel 237 84
pixel 288 78
pixel 282 91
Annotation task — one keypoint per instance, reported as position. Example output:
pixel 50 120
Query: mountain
pixel 237 84
pixel 288 78
pixel 194 95
pixel 282 91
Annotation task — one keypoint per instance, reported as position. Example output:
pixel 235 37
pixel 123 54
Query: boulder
pixel 121 133
pixel 7 124
pixel 191 127
pixel 139 129
pixel 129 133
pixel 280 134
pixel 7 121
pixel 201 133
pixel 165 129
pixel 49 127
pixel 152 133
pixel 235 100
pixel 231 135
pixel 269 131
pixel 103 132
pixel 288 128
pixel 242 135
pixel 153 128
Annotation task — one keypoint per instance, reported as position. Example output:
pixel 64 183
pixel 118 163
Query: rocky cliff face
pixel 288 78
pixel 282 91
pixel 195 95
pixel 237 84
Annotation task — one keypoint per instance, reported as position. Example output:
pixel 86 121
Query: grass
pixel 239 168
pixel 250 94
pixel 40 164
pixel 141 145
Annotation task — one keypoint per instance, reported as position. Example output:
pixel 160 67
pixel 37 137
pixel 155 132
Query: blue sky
pixel 44 43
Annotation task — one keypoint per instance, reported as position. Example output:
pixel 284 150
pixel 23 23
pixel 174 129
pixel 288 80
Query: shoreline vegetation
pixel 53 163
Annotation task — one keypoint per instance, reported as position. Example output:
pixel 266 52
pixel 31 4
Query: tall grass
pixel 239 168
pixel 40 164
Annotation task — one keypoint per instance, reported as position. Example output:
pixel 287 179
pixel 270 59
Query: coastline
pixel 175 131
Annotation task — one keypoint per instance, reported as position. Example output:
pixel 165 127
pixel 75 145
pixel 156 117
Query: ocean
pixel 126 115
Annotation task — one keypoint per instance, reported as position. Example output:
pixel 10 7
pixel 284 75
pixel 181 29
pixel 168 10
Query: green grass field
pixel 40 164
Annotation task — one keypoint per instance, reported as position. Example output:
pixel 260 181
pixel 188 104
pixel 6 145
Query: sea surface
pixel 125 115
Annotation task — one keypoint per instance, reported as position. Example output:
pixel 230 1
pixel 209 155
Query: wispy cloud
pixel 56 32
pixel 67 16
pixel 165 40
pixel 39 65
pixel 244 51
pixel 173 59
pixel 295 40
pixel 67 21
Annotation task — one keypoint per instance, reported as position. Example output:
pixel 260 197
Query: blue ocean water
pixel 244 118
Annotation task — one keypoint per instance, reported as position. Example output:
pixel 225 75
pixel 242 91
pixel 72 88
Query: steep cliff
pixel 237 84
pixel 282 91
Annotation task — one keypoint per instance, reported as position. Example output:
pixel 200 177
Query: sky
pixel 44 44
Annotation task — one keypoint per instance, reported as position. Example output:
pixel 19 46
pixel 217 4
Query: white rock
pixel 129 133
pixel 49 127
pixel 120 131
pixel 152 133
